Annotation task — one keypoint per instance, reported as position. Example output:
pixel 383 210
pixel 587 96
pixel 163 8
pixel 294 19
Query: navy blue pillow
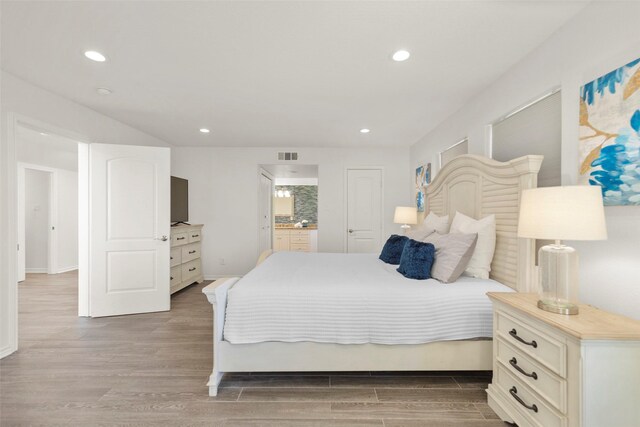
pixel 417 259
pixel 392 250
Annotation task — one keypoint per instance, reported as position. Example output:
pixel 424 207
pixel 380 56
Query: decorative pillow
pixel 453 252
pixel 435 222
pixel 419 233
pixel 416 260
pixel 392 250
pixel 480 262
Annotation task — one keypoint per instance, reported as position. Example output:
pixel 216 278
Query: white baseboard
pixel 36 270
pixel 66 269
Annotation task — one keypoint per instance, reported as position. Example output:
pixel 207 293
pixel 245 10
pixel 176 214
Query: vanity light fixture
pixel 401 55
pixel 95 56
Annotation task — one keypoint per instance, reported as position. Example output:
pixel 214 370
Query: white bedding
pixel 353 299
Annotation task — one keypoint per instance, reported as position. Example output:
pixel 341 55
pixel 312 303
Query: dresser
pixel 293 240
pixel 186 264
pixel 553 370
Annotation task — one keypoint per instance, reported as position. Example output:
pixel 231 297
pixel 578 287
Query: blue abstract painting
pixel 610 135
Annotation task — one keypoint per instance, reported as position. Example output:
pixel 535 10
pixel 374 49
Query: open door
pixel 129 228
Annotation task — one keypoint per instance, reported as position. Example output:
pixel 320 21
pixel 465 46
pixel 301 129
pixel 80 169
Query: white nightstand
pixel 556 370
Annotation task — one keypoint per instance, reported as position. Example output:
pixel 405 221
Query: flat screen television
pixel 179 199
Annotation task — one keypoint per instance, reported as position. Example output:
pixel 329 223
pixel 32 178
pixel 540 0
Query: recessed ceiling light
pixel 104 91
pixel 43 134
pixel 95 56
pixel 365 130
pixel 204 130
pixel 401 55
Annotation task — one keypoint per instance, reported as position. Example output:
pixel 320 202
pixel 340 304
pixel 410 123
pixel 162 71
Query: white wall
pixel 21 99
pixel 37 187
pixel 223 195
pixel 601 38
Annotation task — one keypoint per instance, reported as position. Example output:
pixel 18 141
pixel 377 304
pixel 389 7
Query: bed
pixel 351 312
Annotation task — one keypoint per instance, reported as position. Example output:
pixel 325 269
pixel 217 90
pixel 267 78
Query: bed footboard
pixel 216 293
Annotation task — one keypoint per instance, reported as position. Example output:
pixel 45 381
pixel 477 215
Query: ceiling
pixel 286 74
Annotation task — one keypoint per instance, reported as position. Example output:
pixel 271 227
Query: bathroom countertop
pixel 291 227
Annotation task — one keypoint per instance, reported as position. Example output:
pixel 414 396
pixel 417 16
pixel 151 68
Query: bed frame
pixel 473 185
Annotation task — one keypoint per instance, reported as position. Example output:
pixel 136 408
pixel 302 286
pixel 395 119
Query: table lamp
pixel 405 215
pixel 561 213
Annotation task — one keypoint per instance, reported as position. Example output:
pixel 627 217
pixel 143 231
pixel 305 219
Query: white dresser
pixel 554 370
pixel 186 264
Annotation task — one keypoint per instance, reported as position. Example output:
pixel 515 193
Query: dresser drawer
pixel 190 252
pixel 299 247
pixel 191 270
pixel 175 257
pixel 194 236
pixel 513 389
pixel 533 341
pixel 538 378
pixel 179 238
pixel 176 276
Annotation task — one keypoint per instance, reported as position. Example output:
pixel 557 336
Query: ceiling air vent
pixel 287 156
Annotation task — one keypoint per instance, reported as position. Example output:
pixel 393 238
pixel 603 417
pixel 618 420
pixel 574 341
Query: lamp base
pixel 405 226
pixel 558 307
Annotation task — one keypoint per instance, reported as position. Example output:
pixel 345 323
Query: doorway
pixel 288 208
pixel 47 183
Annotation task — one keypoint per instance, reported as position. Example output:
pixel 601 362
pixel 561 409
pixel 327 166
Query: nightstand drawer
pixel 540 379
pixel 533 341
pixel 176 257
pixel 530 408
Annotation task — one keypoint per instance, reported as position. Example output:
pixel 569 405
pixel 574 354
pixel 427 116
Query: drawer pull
pixel 181 238
pixel 192 269
pixel 514 363
pixel 514 393
pixel 172 278
pixel 195 235
pixel 514 334
pixel 171 257
pixel 192 252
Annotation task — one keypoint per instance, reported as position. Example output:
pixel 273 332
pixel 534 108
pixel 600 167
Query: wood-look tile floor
pixel 151 369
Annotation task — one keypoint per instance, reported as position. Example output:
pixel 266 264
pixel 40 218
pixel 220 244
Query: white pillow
pixel 480 263
pixel 435 222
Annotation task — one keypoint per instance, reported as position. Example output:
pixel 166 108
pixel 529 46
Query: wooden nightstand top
pixel 589 324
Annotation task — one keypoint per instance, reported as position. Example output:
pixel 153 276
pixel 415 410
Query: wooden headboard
pixel 477 186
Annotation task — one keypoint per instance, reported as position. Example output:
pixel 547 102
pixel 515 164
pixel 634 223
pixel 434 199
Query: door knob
pixel 350 231
pixel 163 238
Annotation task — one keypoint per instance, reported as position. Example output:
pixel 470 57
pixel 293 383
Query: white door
pixel 364 210
pixel 264 212
pixel 129 208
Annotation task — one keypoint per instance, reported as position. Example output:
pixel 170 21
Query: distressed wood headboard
pixel 477 186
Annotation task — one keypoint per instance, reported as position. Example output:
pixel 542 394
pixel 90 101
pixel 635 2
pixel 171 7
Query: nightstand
pixel 552 370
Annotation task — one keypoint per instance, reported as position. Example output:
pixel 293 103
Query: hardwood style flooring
pixel 151 369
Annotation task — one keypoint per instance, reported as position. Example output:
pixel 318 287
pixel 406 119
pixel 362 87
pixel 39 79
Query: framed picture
pixel 610 135
pixel 420 199
pixel 423 175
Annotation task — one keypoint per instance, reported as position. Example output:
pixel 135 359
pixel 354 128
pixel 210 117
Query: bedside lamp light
pixel 561 213
pixel 405 215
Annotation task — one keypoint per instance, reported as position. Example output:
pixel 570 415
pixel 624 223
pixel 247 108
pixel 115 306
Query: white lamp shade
pixel 562 213
pixel 405 215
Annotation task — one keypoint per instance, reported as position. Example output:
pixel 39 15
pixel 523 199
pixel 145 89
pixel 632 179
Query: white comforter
pixel 352 299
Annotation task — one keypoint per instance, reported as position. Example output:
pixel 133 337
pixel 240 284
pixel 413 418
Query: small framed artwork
pixel 420 199
pixel 423 175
